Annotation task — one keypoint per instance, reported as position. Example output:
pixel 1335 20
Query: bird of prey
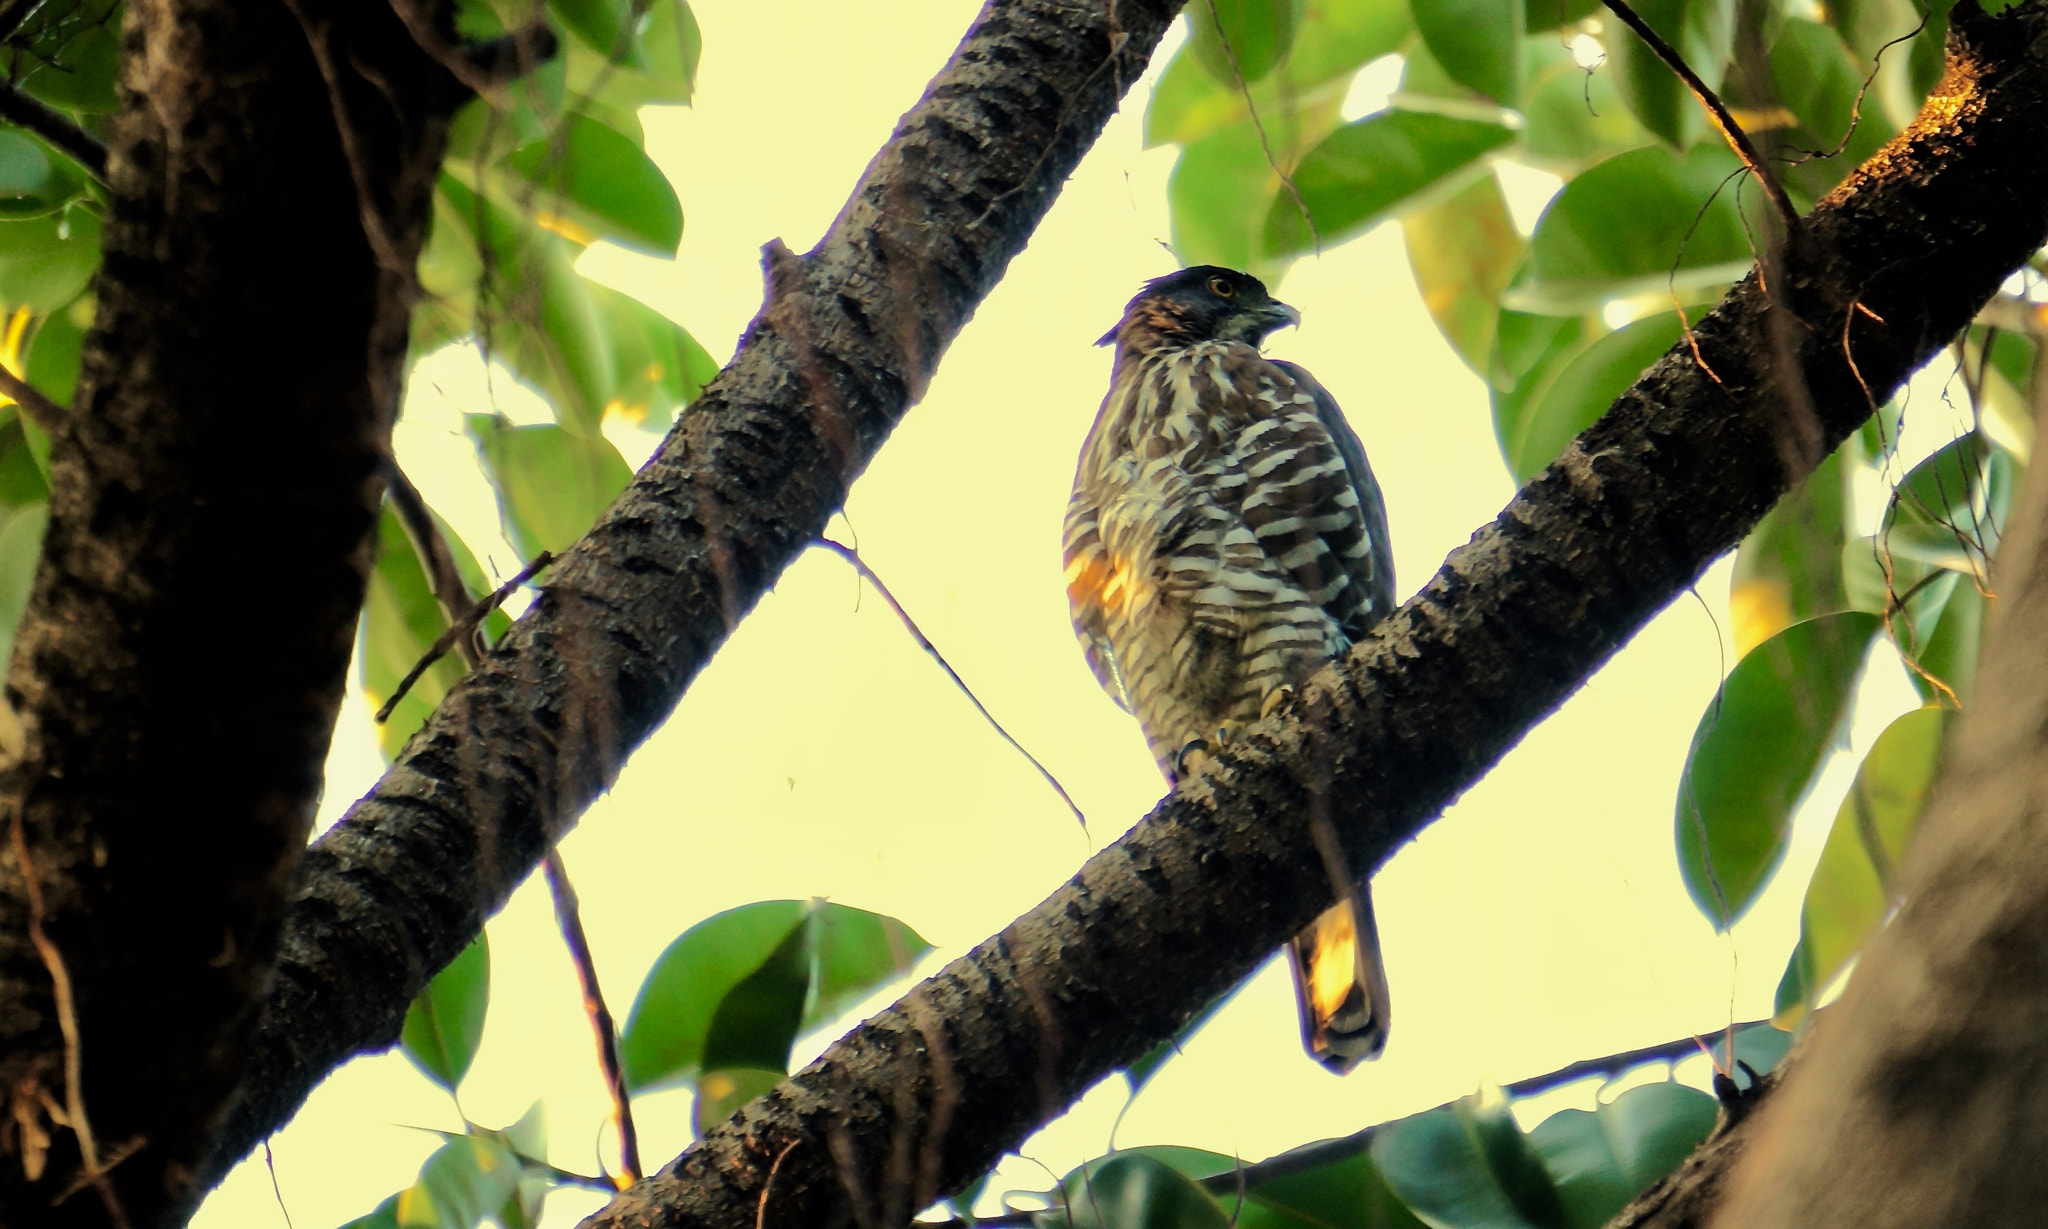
pixel 1225 539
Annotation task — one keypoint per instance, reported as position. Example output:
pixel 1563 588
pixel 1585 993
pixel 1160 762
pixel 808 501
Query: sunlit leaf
pixel 467 1179
pixel 1946 655
pixel 1645 221
pixel 591 175
pixel 1574 117
pixel 1789 569
pixel 552 484
pixel 1463 250
pixel 722 1090
pixel 21 544
pixel 1814 78
pixel 1239 41
pixel 1601 1159
pixel 1757 749
pixel 445 1024
pixel 1534 433
pixel 385 1217
pixel 1363 172
pixel 1478 42
pixel 1335 38
pixel 401 619
pixel 1138 1189
pixel 1853 886
pixel 1703 32
pixel 853 952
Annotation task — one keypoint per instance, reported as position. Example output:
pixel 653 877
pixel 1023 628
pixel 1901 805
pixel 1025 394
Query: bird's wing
pixel 1359 544
pixel 1087 562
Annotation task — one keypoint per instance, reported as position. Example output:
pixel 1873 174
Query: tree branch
pixel 55 127
pixel 846 342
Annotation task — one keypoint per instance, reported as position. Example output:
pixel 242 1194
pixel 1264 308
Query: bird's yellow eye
pixel 1221 288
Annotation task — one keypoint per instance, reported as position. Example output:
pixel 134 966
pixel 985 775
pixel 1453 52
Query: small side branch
pixel 41 411
pixel 55 127
pixel 437 559
pixel 1732 132
pixel 867 573
pixel 569 916
pixel 461 628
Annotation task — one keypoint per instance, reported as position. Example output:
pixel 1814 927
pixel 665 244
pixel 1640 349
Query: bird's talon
pixel 1191 758
pixel 1274 699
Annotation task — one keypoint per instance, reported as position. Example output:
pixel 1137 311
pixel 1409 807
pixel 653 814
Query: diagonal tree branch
pixel 924 1097
pixel 846 342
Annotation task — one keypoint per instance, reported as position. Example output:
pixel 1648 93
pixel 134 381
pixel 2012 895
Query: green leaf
pixel 682 1023
pixel 1853 886
pixel 658 368
pixel 1478 42
pixel 597 179
pixel 1468 1165
pixel 445 1024
pixel 46 261
pixel 51 363
pixel 552 484
pixel 21 545
pixel 1239 41
pixel 1815 80
pixel 722 1091
pixel 1703 32
pixel 385 1217
pixel 1534 433
pixel 68 55
pixel 1641 222
pixel 1574 117
pixel 1224 185
pixel 467 1179
pixel 402 619
pixel 1601 1159
pixel 1138 1189
pixel 1947 655
pixel 1755 753
pixel 1789 569
pixel 1335 38
pixel 1546 15
pixel 1464 250
pixel 608 27
pixel 1364 171
pixel 1348 1193
pixel 34 179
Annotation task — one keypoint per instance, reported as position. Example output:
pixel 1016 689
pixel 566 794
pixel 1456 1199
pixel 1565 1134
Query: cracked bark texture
pixel 925 1096
pixel 1924 1096
pixel 846 342
pixel 213 507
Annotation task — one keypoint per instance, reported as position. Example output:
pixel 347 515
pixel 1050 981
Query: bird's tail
pixel 1340 985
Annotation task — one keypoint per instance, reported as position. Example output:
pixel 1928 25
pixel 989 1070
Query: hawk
pixel 1225 539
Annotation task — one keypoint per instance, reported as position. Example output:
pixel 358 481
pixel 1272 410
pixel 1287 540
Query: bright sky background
pixel 822 754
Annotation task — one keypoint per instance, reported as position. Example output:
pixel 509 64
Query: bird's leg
pixel 1191 758
pixel 1274 699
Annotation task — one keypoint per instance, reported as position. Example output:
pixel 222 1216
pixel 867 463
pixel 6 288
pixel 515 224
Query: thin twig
pixel 270 1163
pixel 1259 126
pixel 1737 139
pixel 458 630
pixel 41 411
pixel 852 556
pixel 761 1206
pixel 569 916
pixel 32 113
pixel 436 558
pixel 67 1025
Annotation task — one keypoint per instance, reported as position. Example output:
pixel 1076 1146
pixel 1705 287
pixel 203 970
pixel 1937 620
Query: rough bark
pixel 214 494
pixel 848 339
pixel 1924 1097
pixel 927 1095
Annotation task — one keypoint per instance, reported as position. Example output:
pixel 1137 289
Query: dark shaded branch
pixel 41 411
pixel 1730 131
pixel 213 504
pixel 925 1096
pixel 55 127
pixel 437 560
pixel 569 916
pixel 848 339
pixel 867 573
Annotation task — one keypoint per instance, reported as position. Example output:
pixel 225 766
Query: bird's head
pixel 1203 303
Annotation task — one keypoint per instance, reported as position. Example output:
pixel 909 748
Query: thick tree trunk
pixel 1923 1099
pixel 213 500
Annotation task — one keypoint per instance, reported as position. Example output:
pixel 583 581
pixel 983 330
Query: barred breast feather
pixel 1225 537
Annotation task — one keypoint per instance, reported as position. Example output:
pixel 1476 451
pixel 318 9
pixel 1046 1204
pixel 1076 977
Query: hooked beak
pixel 1278 315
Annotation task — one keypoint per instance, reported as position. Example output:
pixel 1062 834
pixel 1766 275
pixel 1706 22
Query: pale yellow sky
pixel 822 754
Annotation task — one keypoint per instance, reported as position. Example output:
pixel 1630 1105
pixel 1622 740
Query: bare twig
pixel 1259 126
pixel 569 916
pixel 458 630
pixel 67 1024
pixel 437 559
pixel 42 411
pixel 852 556
pixel 59 129
pixel 1737 139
